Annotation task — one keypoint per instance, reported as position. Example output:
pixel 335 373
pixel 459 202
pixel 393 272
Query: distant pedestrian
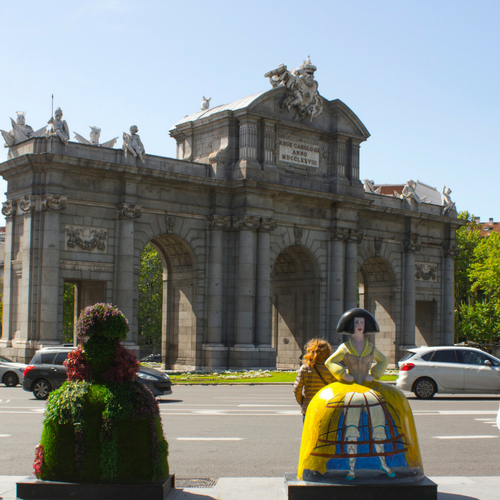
pixel 313 374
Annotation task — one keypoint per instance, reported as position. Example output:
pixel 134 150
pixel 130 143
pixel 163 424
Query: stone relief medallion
pixel 426 272
pixel 87 239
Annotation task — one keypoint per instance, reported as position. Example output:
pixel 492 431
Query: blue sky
pixel 423 76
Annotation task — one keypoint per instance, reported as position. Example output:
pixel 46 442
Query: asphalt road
pixel 254 431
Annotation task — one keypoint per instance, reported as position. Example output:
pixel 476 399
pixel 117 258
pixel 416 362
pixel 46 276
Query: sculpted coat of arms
pixel 302 89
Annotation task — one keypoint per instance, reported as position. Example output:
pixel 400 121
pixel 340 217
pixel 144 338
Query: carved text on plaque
pixel 299 153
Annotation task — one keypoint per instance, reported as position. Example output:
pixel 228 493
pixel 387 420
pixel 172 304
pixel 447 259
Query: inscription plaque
pixel 298 153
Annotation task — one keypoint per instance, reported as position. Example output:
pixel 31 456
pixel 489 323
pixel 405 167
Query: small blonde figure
pixel 313 374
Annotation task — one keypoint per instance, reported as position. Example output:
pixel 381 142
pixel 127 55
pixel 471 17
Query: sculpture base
pixel 342 489
pixel 38 490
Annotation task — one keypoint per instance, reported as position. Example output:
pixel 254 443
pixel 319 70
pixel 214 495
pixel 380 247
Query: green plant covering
pixel 102 425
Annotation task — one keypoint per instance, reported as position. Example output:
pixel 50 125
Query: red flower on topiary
pixel 37 465
pixel 77 367
pixel 124 368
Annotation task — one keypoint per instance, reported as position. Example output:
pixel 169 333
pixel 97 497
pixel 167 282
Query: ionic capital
pixel 246 223
pixel 8 208
pixel 129 211
pixel 54 202
pixel 268 225
pixel 219 222
pixel 412 245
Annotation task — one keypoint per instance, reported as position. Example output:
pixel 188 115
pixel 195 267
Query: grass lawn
pixel 253 377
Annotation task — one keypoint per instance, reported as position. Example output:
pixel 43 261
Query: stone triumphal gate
pixel 263 226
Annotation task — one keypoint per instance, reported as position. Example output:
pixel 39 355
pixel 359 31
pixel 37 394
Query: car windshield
pixel 3 359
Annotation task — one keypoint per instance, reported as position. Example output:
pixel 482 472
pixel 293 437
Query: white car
pixel 11 373
pixel 448 370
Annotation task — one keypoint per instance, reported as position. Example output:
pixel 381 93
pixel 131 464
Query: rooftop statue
pixel 303 89
pixel 132 143
pixel 95 134
pixel 409 192
pixel 59 127
pixel 205 104
pixel 20 131
pixel 368 185
pixel 448 205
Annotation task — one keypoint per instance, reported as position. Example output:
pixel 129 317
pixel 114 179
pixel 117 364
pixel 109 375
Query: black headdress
pixel 346 321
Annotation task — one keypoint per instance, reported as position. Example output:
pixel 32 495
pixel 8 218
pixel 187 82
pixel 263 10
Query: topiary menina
pixel 102 426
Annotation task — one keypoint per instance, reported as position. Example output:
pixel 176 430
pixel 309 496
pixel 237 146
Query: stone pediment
pixel 336 116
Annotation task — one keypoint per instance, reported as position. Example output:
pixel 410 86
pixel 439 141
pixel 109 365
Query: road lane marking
pixel 32 412
pixel 5 435
pixel 465 437
pixel 209 439
pixel 272 406
pixel 455 412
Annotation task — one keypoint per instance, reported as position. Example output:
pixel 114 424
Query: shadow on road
pixel 163 401
pixel 452 496
pixel 187 495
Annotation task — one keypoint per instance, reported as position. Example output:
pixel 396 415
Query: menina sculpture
pixel 357 428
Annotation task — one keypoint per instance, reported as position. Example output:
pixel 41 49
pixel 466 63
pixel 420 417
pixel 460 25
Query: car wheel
pixel 424 388
pixel 10 379
pixel 41 389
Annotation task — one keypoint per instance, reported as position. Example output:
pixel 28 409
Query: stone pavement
pixel 273 488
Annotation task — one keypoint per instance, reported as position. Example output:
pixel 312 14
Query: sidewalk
pixel 273 488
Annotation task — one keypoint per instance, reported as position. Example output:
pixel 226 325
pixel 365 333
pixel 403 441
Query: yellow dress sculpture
pixel 357 427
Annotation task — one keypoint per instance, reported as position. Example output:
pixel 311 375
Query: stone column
pixel 8 210
pixel 411 246
pixel 245 289
pixel 351 269
pixel 449 295
pixel 49 329
pixel 338 237
pixel 217 225
pixel 263 303
pixel 125 266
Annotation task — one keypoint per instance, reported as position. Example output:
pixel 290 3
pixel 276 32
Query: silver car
pixel 11 373
pixel 448 370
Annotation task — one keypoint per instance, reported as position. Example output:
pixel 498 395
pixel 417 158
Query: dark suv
pixel 46 373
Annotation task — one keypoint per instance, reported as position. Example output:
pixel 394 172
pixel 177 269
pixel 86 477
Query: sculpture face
pixel 58 116
pixel 359 325
pixel 21 120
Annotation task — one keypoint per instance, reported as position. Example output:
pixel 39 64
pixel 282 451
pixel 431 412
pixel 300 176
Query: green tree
pixel 150 298
pixel 68 312
pixel 477 282
pixel 467 239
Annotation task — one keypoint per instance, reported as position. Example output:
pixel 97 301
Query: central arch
pixel 295 296
pixel 377 295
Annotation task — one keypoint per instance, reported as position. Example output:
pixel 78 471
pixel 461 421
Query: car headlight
pixel 145 376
